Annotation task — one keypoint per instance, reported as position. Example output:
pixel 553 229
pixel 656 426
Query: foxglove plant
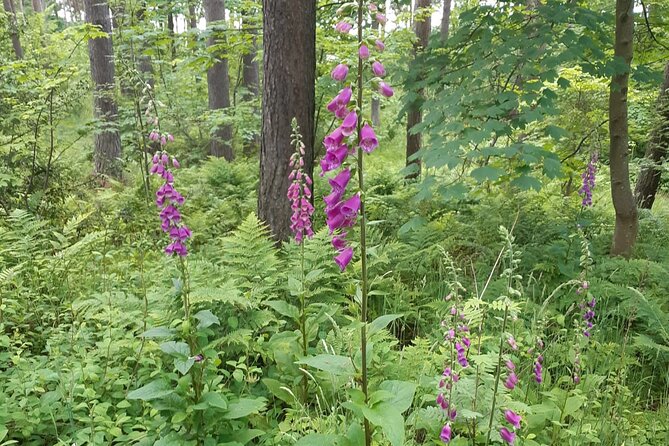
pixel 354 137
pixel 588 178
pixel 299 191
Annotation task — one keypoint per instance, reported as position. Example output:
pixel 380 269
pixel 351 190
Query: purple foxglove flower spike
pixel 340 72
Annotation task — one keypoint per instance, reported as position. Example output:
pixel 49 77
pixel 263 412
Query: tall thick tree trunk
pixel 101 54
pixel 289 67
pixel 446 20
pixel 422 26
pixel 627 223
pixel 649 178
pixel 218 80
pixel 13 28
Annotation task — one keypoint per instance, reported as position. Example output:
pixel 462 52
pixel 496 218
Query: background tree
pixel 446 20
pixel 250 69
pixel 218 80
pixel 648 181
pixel 626 226
pixel 13 28
pixel 289 63
pixel 107 151
pixel 422 27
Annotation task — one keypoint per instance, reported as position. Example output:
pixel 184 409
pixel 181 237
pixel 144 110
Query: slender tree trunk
pixel 218 80
pixel 649 178
pixel 376 103
pixel 289 66
pixel 446 20
pixel 170 31
pixel 38 6
pixel 250 77
pixel 13 28
pixel 192 15
pixel 422 26
pixel 627 224
pixel 101 53
pixel 144 65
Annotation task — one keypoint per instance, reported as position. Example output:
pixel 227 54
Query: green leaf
pixel 157 332
pixel 313 275
pixel 415 222
pixel 277 389
pixel 381 322
pixel 151 391
pixel 484 173
pixel 335 364
pixel 183 365
pixel 389 419
pixel 319 440
pixel 525 182
pixel 215 400
pixel 243 407
pixel 206 318
pixel 556 132
pixel 178 349
pixel 402 391
pixel 284 309
pixel 572 404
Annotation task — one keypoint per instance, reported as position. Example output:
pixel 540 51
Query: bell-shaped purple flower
pixel 340 72
pixel 344 96
pixel 446 433
pixel 343 27
pixel 508 436
pixel 380 45
pixel 378 69
pixel 334 158
pixel 334 139
pixel 381 18
pixel 340 182
pixel 368 140
pixel 344 258
pixel 386 90
pixel 513 418
pixel 349 123
pixel 363 52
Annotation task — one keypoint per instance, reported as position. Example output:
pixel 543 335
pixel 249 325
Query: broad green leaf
pixel 215 400
pixel 243 407
pixel 389 419
pixel 381 322
pixel 157 332
pixel 335 364
pixel 183 365
pixel 178 349
pixel 206 318
pixel 402 394
pixel 284 309
pixel 319 440
pixel 415 222
pixel 484 173
pixel 276 387
pixel 525 182
pixel 151 391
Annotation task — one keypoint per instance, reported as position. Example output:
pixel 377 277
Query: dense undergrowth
pixel 90 314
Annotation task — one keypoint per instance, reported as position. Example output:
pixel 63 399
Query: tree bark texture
pixel 13 28
pixel 289 67
pixel 144 65
pixel 192 15
pixel 101 54
pixel 627 224
pixel 422 26
pixel 649 178
pixel 446 20
pixel 38 6
pixel 250 77
pixel 218 80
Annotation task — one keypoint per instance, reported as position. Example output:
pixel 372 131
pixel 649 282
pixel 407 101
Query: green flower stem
pixel 499 372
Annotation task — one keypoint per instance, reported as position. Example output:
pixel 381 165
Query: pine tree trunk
pixel 422 26
pixel 289 66
pixel 101 54
pixel 13 28
pixel 218 81
pixel 446 20
pixel 627 224
pixel 649 178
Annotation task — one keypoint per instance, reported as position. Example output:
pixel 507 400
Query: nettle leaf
pixel 206 318
pixel 151 391
pixel 335 364
pixel 178 349
pixel 184 365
